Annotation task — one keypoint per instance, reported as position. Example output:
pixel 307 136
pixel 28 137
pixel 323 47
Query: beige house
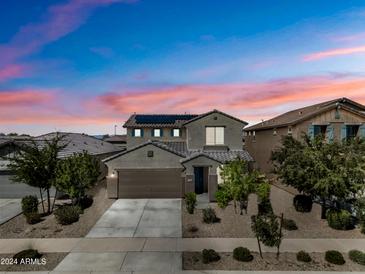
pixel 336 120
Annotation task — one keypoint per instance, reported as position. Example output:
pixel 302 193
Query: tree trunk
pixel 40 192
pixel 49 202
pixel 323 209
pixel 258 242
pixel 235 206
pixel 54 199
pixel 280 235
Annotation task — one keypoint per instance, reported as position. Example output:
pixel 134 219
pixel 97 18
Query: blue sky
pixel 86 65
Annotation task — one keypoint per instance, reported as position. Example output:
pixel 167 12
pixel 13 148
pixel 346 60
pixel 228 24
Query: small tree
pixel 76 174
pixel 35 165
pixel 238 183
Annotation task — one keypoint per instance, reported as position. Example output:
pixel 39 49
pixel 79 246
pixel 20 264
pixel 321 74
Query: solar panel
pixel 162 119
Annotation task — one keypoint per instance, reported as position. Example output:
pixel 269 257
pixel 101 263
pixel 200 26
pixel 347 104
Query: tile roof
pixel 214 111
pixel 116 138
pixel 297 115
pixel 221 156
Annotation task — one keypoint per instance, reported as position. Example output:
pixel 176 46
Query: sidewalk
pixel 97 245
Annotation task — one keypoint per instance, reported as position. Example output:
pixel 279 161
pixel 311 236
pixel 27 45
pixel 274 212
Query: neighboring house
pixel 336 120
pixel 170 155
pixel 117 140
pixel 76 143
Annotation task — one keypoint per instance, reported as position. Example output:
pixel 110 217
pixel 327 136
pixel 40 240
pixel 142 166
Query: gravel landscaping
pixel 286 262
pixel 49 228
pixel 234 225
pixel 51 261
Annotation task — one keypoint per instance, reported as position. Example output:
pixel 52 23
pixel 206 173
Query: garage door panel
pixel 150 183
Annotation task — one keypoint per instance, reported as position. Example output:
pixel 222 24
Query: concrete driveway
pixel 9 208
pixel 140 218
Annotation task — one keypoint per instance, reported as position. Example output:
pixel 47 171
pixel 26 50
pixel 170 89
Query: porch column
pixel 212 186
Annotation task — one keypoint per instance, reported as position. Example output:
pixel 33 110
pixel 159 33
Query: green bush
pixel 29 204
pixel 264 207
pixel 303 203
pixel 190 201
pixel 357 256
pixel 334 257
pixel 210 255
pixel 303 256
pixel 27 254
pixel 289 224
pixel 223 198
pixel 33 218
pixel 360 210
pixel 242 254
pixel 66 215
pixel 339 219
pixel 209 216
pixel 85 202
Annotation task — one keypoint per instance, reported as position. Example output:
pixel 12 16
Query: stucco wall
pixel 147 135
pixel 232 132
pixel 139 159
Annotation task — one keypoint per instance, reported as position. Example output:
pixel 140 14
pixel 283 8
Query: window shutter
pixel 343 132
pixel 161 132
pixel 153 132
pixel 330 133
pixel 172 132
pixel 311 131
pixel 141 132
pixel 362 131
pixel 133 132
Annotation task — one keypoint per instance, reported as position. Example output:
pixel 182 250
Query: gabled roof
pixel 295 116
pixel 177 148
pixel 158 120
pixel 214 111
pixel 220 156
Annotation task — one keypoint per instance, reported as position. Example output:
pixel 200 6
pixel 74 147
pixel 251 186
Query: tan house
pixel 336 120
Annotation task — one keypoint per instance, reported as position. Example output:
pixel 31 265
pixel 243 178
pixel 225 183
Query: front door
pixel 199 179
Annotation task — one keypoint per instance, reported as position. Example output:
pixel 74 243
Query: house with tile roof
pixel 336 120
pixel 170 155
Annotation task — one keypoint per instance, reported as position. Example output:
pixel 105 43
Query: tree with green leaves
pixel 35 165
pixel 238 183
pixel 76 174
pixel 332 171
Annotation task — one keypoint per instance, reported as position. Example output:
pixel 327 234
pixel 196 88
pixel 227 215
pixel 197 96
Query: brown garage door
pixel 150 183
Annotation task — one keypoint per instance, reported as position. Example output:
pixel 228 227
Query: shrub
pixel 334 257
pixel 357 256
pixel 289 224
pixel 360 210
pixel 223 198
pixel 303 256
pixel 303 203
pixel 193 228
pixel 66 215
pixel 210 255
pixel 209 216
pixel 85 202
pixel 264 207
pixel 33 218
pixel 242 254
pixel 27 254
pixel 30 204
pixel 339 219
pixel 190 201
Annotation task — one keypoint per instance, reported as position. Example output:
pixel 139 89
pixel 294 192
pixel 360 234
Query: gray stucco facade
pixel 187 157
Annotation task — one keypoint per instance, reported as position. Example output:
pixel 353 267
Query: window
pixel 156 132
pixel 150 153
pixel 319 130
pixel 137 132
pixel 214 136
pixel 176 132
pixel 351 131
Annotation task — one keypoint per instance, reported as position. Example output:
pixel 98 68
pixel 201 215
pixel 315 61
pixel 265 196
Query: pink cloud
pixel 350 38
pixel 333 52
pixel 11 71
pixel 58 21
pixel 29 97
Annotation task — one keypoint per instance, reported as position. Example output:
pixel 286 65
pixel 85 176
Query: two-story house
pixel 336 120
pixel 170 155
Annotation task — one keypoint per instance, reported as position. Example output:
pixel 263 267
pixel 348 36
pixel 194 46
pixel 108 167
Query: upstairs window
pixel 157 132
pixel 137 132
pixel 175 132
pixel 214 136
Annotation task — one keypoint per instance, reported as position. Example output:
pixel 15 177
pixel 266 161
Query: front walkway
pixel 140 218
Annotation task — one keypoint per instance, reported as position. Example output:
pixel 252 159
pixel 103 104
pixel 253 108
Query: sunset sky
pixel 86 65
